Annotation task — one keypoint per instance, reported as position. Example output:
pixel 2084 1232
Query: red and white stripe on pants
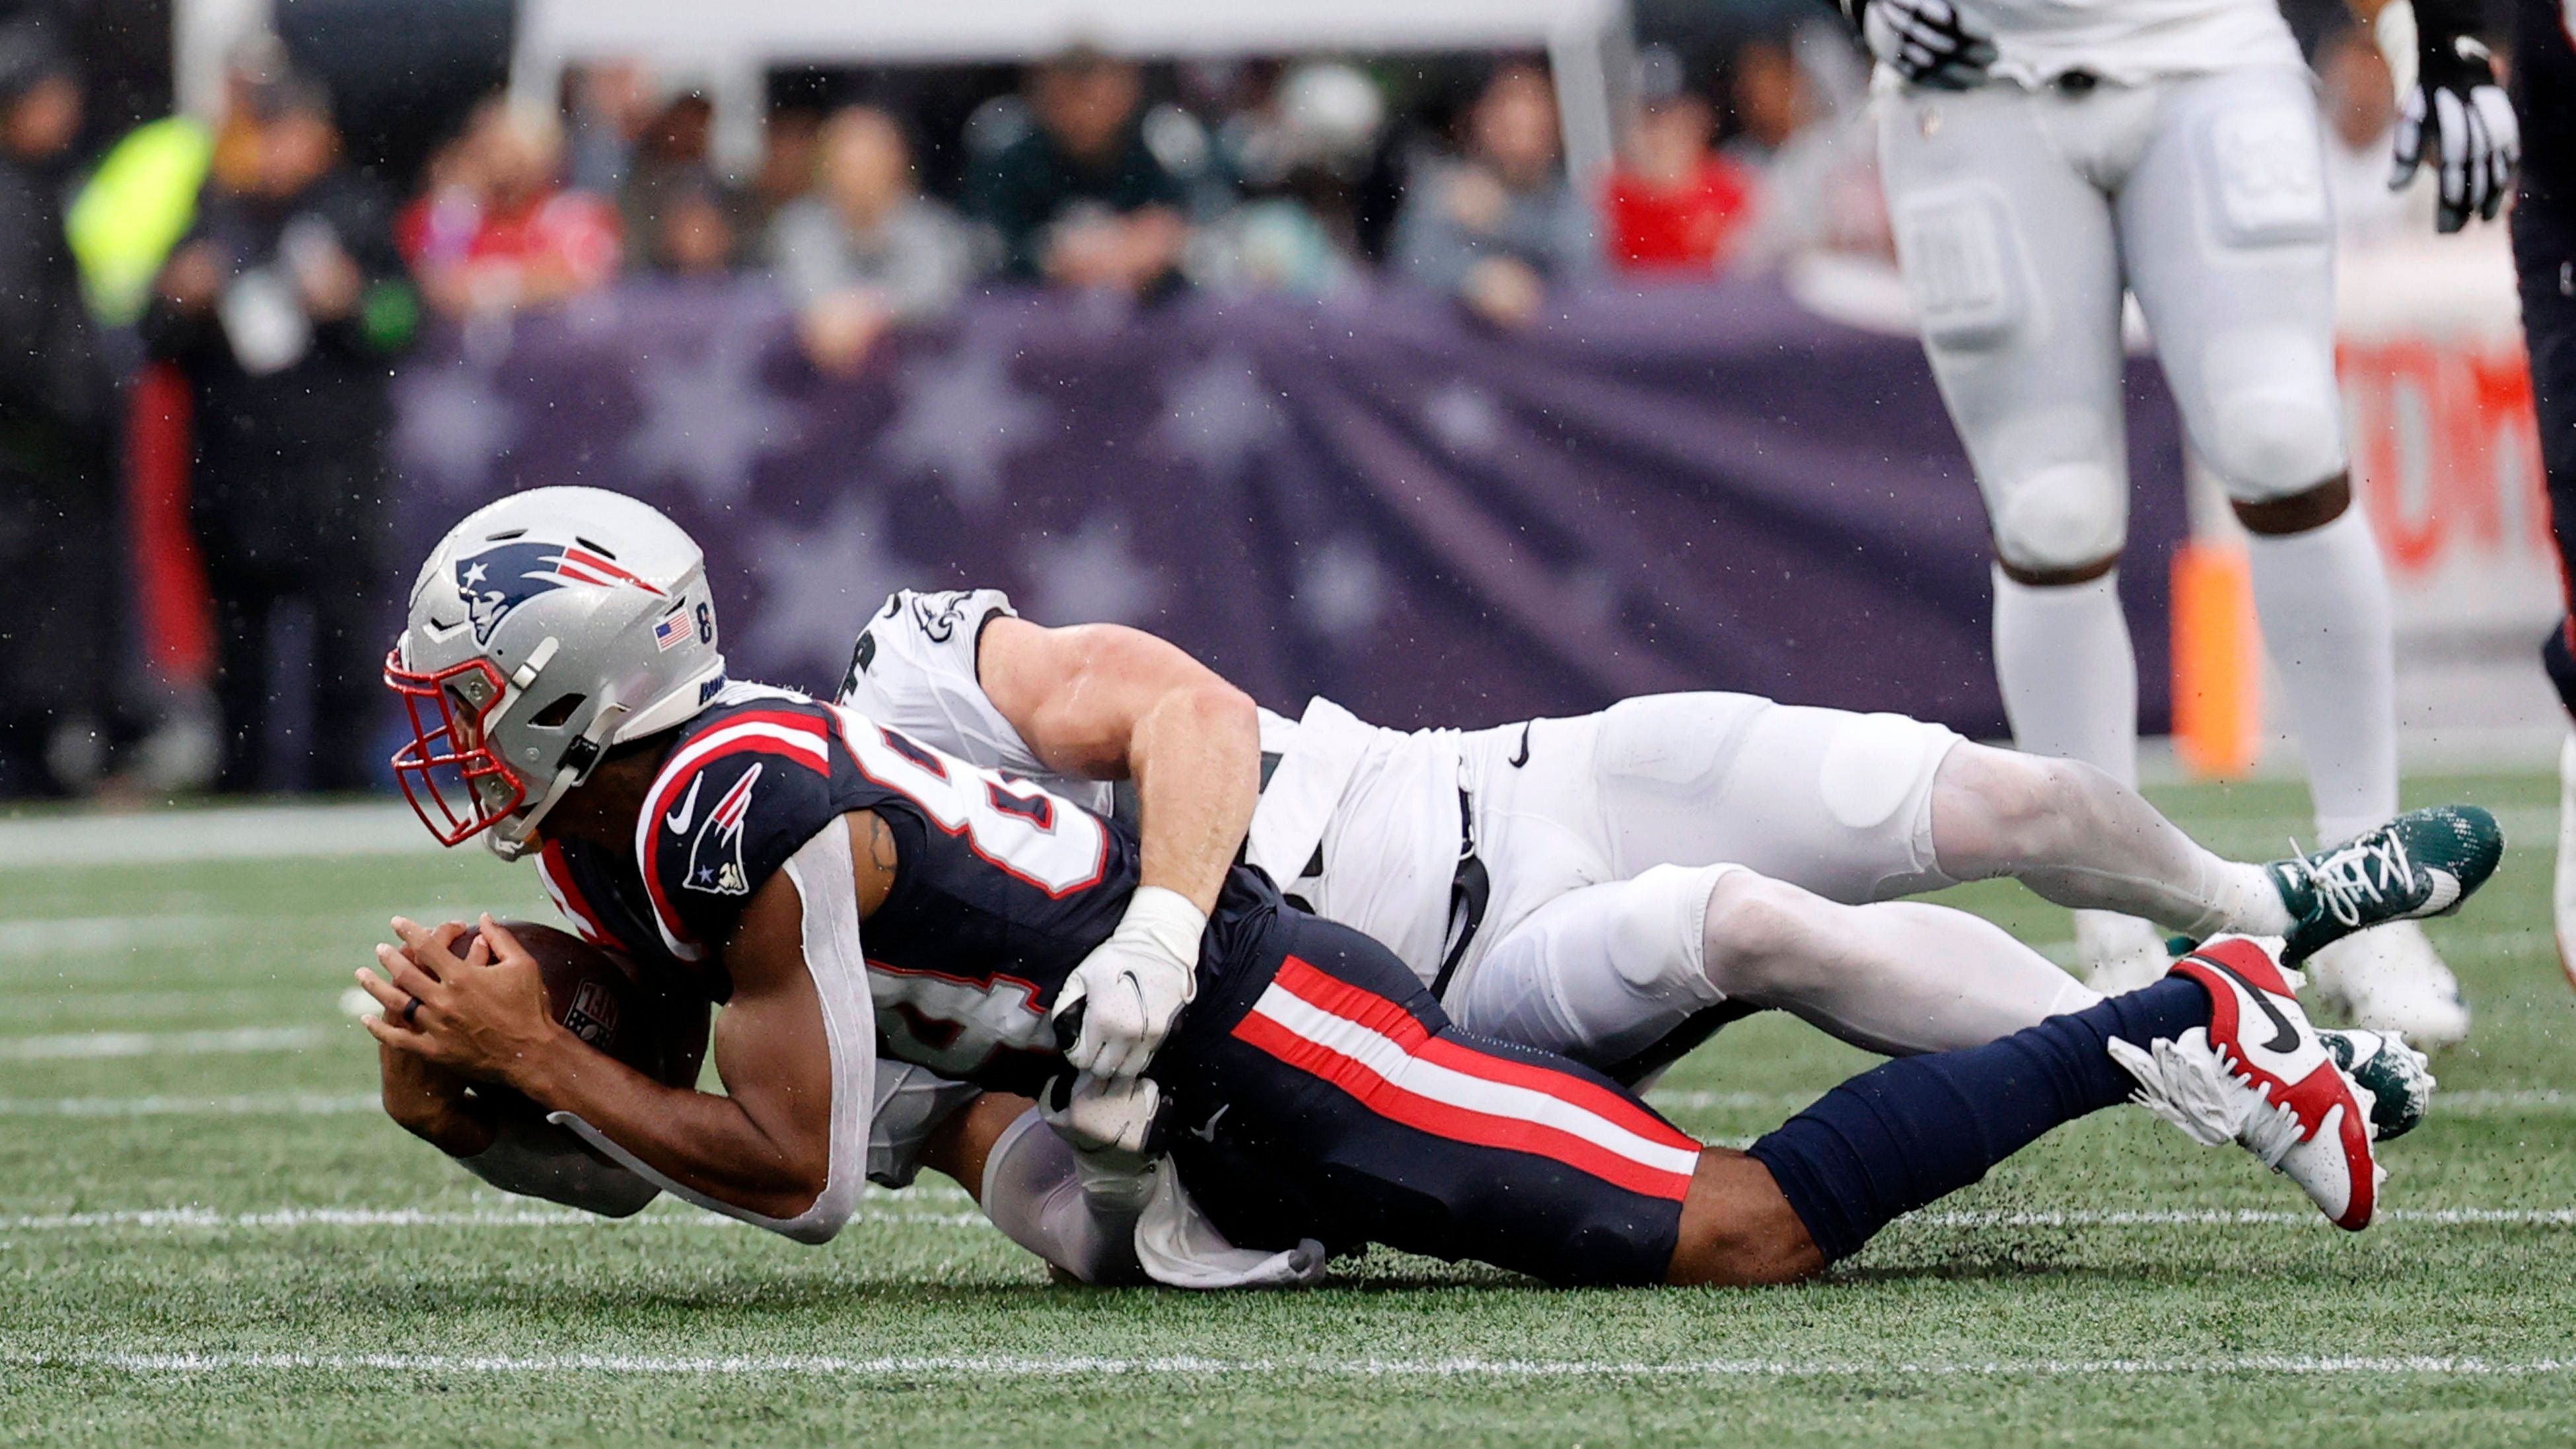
pixel 1382 1055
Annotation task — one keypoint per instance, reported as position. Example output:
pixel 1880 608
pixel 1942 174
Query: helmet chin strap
pixel 514 837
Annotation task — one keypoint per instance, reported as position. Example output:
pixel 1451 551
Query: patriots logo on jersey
pixel 715 852
pixel 501 578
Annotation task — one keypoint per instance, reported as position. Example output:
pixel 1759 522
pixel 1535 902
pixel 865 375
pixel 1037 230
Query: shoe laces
pixel 2359 874
pixel 2190 1084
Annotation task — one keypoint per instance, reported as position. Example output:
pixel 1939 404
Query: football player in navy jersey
pixel 2544 250
pixel 847 891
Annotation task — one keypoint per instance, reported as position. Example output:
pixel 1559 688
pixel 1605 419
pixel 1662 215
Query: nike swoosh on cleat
pixel 679 819
pixel 2285 1037
pixel 2445 893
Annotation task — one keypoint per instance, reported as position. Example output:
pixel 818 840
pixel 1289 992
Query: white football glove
pixel 1131 986
pixel 1108 1124
pixel 2458 119
pixel 1926 41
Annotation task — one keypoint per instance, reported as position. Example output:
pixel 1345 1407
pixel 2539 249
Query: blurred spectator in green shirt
pixel 1080 199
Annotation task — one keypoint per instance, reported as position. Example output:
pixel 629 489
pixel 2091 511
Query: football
pixel 654 1026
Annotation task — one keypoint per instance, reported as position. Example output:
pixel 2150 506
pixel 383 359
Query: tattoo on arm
pixel 881 850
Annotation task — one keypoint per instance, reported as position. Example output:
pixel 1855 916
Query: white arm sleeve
pixel 1033 1192
pixel 533 1159
pixel 823 873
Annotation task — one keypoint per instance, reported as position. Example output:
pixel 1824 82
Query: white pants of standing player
pixel 1679 851
pixel 2020 216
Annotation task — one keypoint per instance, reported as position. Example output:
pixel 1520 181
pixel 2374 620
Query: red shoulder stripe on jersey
pixel 783 733
pixel 1460 1096
pixel 554 872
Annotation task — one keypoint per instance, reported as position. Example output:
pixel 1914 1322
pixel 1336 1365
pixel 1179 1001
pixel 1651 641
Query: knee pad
pixel 2061 517
pixel 2276 422
pixel 1655 940
pixel 1878 765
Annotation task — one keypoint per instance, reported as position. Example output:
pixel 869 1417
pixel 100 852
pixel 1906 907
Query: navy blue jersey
pixel 1000 890
pixel 2544 91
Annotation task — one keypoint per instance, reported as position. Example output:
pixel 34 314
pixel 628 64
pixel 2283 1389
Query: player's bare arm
pixel 1114 703
pixel 763 1146
pixel 1111 703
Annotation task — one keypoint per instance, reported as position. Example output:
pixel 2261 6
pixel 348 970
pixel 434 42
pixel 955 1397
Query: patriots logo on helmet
pixel 501 578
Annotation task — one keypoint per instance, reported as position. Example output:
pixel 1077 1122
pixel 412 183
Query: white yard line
pixel 95 1044
pixel 2501 1102
pixel 255 832
pixel 919 1213
pixel 261 1104
pixel 1079 1366
pixel 44 938
pixel 2539 1101
pixel 297 1219
pixel 2243 1217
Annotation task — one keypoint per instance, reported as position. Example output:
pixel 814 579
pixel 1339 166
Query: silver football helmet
pixel 543 630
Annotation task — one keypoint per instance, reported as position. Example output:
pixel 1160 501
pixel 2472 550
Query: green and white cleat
pixel 2423 863
pixel 2398 1076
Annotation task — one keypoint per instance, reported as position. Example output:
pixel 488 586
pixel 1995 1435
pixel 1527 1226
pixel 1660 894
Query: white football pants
pixel 2021 216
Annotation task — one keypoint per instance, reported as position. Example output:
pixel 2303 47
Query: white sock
pixel 2068 673
pixel 2323 599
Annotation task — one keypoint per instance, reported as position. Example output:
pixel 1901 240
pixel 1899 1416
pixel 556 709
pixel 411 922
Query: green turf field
pixel 206 1234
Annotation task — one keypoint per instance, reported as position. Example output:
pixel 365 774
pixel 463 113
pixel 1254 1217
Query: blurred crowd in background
pixel 272 264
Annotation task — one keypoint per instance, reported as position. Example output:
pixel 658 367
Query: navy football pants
pixel 2544 250
pixel 1318 1091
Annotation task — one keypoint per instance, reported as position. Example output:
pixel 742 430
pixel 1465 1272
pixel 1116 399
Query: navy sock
pixel 1920 1128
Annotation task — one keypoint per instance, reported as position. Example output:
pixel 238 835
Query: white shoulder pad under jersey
pixel 913 668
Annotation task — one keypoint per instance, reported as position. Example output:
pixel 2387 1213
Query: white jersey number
pixel 1022 830
pixel 953 1025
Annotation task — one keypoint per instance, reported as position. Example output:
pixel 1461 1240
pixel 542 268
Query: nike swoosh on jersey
pixel 679 819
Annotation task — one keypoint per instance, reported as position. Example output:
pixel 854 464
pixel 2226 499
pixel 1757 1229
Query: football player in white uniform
pixel 2041 157
pixel 853 895
pixel 1614 887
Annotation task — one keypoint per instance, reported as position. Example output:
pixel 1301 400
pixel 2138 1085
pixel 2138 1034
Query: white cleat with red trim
pixel 2259 1077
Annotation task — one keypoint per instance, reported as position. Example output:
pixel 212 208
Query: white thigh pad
pixel 2265 175
pixel 1964 267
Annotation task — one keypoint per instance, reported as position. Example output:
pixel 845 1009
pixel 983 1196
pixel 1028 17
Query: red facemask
pixel 455 784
